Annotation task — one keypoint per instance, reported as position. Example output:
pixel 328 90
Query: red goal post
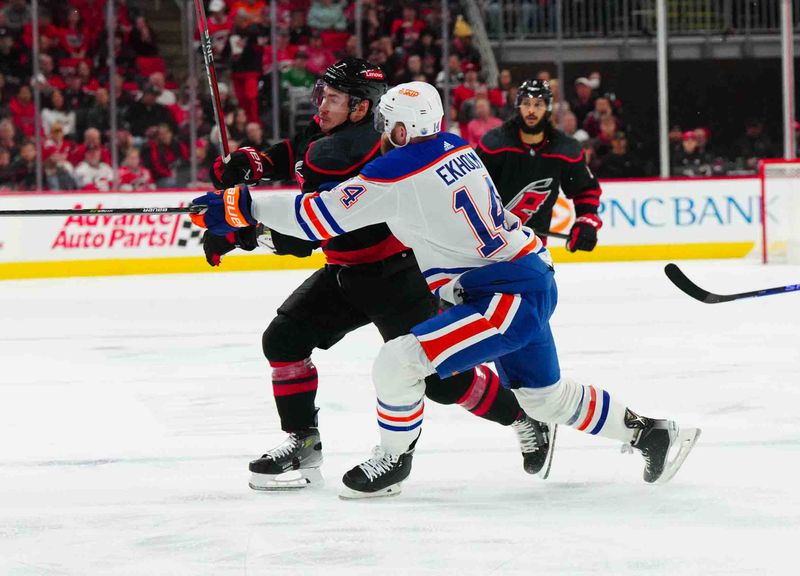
pixel 780 210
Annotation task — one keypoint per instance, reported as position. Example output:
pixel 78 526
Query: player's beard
pixel 537 128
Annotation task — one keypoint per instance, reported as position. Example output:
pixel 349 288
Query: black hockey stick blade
pixel 551 234
pixel 680 280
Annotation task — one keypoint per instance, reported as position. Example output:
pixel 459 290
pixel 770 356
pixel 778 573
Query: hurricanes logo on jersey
pixel 530 199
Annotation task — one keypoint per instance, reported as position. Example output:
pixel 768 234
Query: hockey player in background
pixel 436 196
pixel 370 277
pixel 529 160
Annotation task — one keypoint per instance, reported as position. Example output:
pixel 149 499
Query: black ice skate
pixel 536 441
pixel 663 445
pixel 291 465
pixel 381 475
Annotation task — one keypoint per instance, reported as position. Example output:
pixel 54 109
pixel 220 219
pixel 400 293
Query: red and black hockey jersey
pixel 319 161
pixel 528 177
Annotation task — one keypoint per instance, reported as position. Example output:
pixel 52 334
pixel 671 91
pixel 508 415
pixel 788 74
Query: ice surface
pixel 130 406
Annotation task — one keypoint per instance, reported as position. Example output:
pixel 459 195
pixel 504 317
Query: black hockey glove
pixel 245 166
pixel 583 234
pixel 215 247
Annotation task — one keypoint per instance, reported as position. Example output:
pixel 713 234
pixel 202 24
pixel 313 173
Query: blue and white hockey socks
pixel 585 408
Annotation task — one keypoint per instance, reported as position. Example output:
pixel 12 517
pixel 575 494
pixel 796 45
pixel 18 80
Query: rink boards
pixel 643 220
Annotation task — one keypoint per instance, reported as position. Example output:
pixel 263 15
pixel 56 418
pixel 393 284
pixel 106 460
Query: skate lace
pixel 379 463
pixel 526 433
pixel 287 447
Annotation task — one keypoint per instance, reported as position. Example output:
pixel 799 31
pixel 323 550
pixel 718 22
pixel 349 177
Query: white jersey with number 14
pixel 436 197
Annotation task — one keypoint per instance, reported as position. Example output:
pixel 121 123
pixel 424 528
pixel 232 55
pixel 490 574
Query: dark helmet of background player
pixel 357 78
pixel 534 88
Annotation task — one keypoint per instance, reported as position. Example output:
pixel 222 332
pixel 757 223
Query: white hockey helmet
pixel 416 104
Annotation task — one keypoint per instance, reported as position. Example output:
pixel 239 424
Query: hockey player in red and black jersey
pixel 529 160
pixel 370 277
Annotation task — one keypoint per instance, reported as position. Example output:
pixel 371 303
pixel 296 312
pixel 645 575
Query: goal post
pixel 780 211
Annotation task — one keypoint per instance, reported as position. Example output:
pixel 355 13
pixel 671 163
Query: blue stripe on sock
pixel 575 416
pixel 399 408
pixel 327 215
pixel 400 428
pixel 297 203
pixel 603 414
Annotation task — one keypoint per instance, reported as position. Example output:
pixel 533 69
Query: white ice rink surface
pixel 130 407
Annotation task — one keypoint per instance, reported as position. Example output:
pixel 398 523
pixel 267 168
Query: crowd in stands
pixel 153 111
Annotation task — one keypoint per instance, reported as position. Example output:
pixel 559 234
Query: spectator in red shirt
pixel 46 29
pixel 48 79
pixel 23 111
pixel 91 140
pixel 56 144
pixel 219 27
pixel 74 39
pixel 407 29
pixel 602 109
pixel 319 57
pixel 165 156
pixel 483 122
pixel 466 90
pixel 134 176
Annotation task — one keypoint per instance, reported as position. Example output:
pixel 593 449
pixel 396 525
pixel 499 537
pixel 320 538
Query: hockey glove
pixel 583 234
pixel 226 210
pixel 245 166
pixel 215 247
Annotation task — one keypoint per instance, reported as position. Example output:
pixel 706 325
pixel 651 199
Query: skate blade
pixel 545 471
pixel 287 481
pixel 686 438
pixel 349 494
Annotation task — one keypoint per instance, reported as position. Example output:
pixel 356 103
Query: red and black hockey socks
pixel 294 385
pixel 478 391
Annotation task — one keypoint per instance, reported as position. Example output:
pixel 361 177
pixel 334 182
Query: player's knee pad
pixel 400 369
pixel 555 403
pixel 286 339
pixel 448 390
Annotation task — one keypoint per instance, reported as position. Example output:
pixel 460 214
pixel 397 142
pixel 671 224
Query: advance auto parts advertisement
pixel 90 236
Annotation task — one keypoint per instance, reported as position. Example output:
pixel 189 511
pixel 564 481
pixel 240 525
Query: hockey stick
pixel 211 74
pixel 551 234
pixel 191 209
pixel 683 283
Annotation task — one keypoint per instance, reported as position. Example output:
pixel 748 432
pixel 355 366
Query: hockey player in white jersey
pixel 438 199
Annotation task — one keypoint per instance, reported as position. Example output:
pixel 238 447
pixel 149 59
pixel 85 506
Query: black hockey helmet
pixel 355 77
pixel 536 88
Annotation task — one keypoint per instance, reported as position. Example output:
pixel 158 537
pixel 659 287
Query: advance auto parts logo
pixel 104 231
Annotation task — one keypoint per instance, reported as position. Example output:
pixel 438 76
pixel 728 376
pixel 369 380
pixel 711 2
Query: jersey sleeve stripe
pixel 418 170
pixel 314 219
pixel 299 217
pixel 347 170
pixel 327 215
pixel 438 284
pixel 562 157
